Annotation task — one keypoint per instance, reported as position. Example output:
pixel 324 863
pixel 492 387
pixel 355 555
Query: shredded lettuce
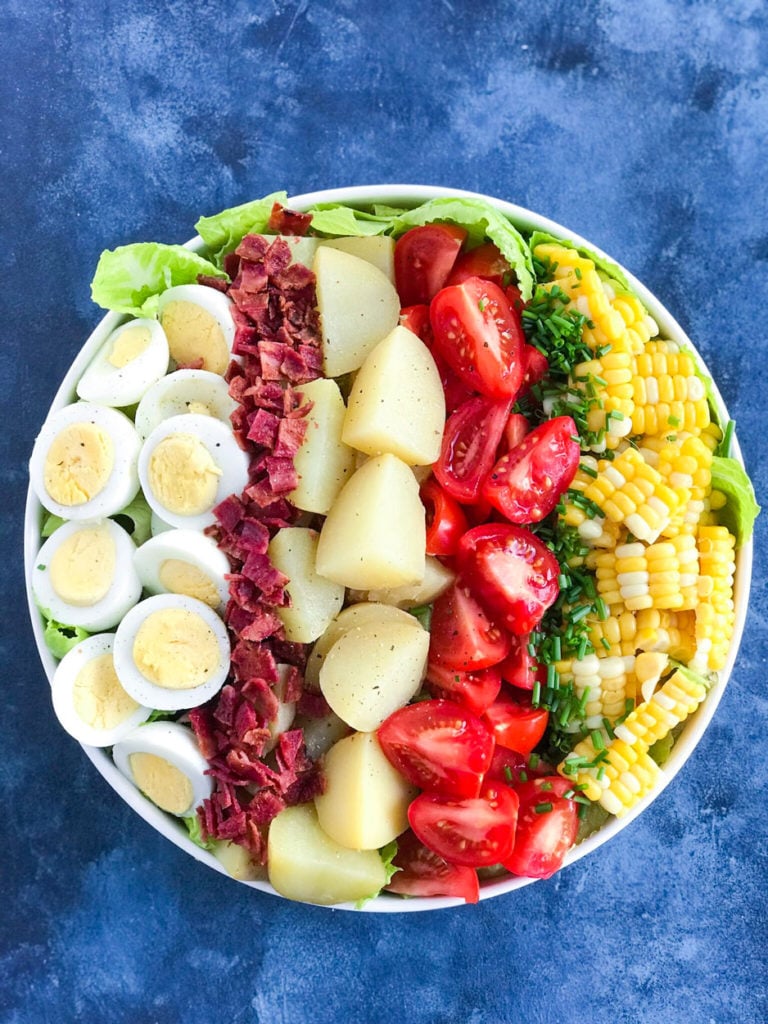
pixel 481 220
pixel 741 508
pixel 614 272
pixel 60 638
pixel 139 516
pixel 130 278
pixel 224 231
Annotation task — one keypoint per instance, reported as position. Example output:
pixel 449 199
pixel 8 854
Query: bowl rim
pixel 173 830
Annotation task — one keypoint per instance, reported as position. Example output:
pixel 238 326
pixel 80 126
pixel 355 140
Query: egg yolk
pixel 82 568
pixel 200 408
pixel 194 334
pixel 183 475
pixel 78 464
pixel 176 648
pixel 129 345
pixel 162 782
pixel 184 578
pixel 97 696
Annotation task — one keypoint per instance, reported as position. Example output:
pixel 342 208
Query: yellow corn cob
pixel 603 683
pixel 647 630
pixel 684 463
pixel 667 393
pixel 629 491
pixel 612 419
pixel 618 632
pixel 641 327
pixel 662 575
pixel 714 609
pixel 622 774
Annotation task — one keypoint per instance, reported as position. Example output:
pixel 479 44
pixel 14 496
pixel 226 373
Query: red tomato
pixel 520 668
pixel 535 367
pixel 476 832
pixel 470 442
pixel 446 521
pixel 516 429
pixel 416 320
pixel 483 261
pixel 508 766
pixel 473 690
pixel 546 830
pixel 439 746
pixel 424 258
pixel 462 636
pixel 423 873
pixel 515 300
pixel 526 483
pixel 515 724
pixel 511 573
pixel 479 337
pixel 542 787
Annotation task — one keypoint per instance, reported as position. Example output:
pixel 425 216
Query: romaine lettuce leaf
pixel 60 638
pixel 51 523
pixel 335 219
pixel 224 231
pixel 614 272
pixel 741 508
pixel 481 220
pixel 387 854
pixel 139 515
pixel 130 278
pixel 196 834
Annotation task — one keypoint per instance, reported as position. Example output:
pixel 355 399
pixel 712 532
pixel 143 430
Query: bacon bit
pixel 312 705
pixel 283 221
pixel 217 283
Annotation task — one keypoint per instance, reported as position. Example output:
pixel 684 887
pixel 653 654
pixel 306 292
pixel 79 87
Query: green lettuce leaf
pixel 741 509
pixel 608 267
pixel 51 523
pixel 481 220
pixel 60 638
pixel 196 833
pixel 139 519
pixel 335 219
pixel 130 278
pixel 387 854
pixel 224 231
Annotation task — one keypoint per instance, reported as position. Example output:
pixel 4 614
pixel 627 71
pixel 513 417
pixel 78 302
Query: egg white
pixel 177 392
pixel 122 484
pixel 120 386
pixel 189 546
pixel 224 450
pixel 123 593
pixel 215 303
pixel 62 693
pixel 174 743
pixel 133 679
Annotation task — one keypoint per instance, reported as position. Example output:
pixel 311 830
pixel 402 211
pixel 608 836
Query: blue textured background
pixel 642 127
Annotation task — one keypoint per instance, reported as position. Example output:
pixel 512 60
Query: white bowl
pixel 402 195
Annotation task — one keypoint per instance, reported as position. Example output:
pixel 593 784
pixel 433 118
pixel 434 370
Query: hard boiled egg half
pixel 163 760
pixel 184 562
pixel 171 652
pixel 87 696
pixel 84 462
pixel 198 391
pixel 198 323
pixel 189 464
pixel 84 575
pixel 133 357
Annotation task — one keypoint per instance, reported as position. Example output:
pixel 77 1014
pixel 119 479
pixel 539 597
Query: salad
pixel 388 549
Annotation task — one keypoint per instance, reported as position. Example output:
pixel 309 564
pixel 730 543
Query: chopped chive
pixel 556 649
pixel 597 739
pixel 673 421
pixel 533 760
pixel 536 694
pixel 587 469
pixel 608 729
pixel 602 610
pixel 605 642
pixel 543 808
pixel 546 786
pixel 508 773
pixel 523 775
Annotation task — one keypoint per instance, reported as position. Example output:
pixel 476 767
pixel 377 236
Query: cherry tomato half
pixel 535 367
pixel 462 636
pixel 424 258
pixel 516 429
pixel 510 767
pixel 479 337
pixel 520 668
pixel 473 690
pixel 446 522
pixel 470 443
pixel 438 746
pixel 423 873
pixel 546 829
pixel 416 320
pixel 475 832
pixel 526 483
pixel 511 573
pixel 516 725
pixel 483 261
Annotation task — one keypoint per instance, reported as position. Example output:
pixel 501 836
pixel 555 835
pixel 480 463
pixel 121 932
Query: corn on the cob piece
pixel 609 377
pixel 662 575
pixel 629 491
pixel 647 630
pixel 641 327
pixel 715 615
pixel 602 685
pixel 667 392
pixel 621 773
pixel 685 462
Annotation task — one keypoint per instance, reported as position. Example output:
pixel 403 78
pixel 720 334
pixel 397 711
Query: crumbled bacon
pixel 288 222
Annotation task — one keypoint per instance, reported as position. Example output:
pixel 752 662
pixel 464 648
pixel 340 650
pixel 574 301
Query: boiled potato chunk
pixel 376 249
pixel 237 862
pixel 355 615
pixel 358 307
pixel 323 462
pixel 397 403
pixel 365 803
pixel 320 734
pixel 315 600
pixel 307 865
pixel 437 578
pixel 375 534
pixel 373 670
